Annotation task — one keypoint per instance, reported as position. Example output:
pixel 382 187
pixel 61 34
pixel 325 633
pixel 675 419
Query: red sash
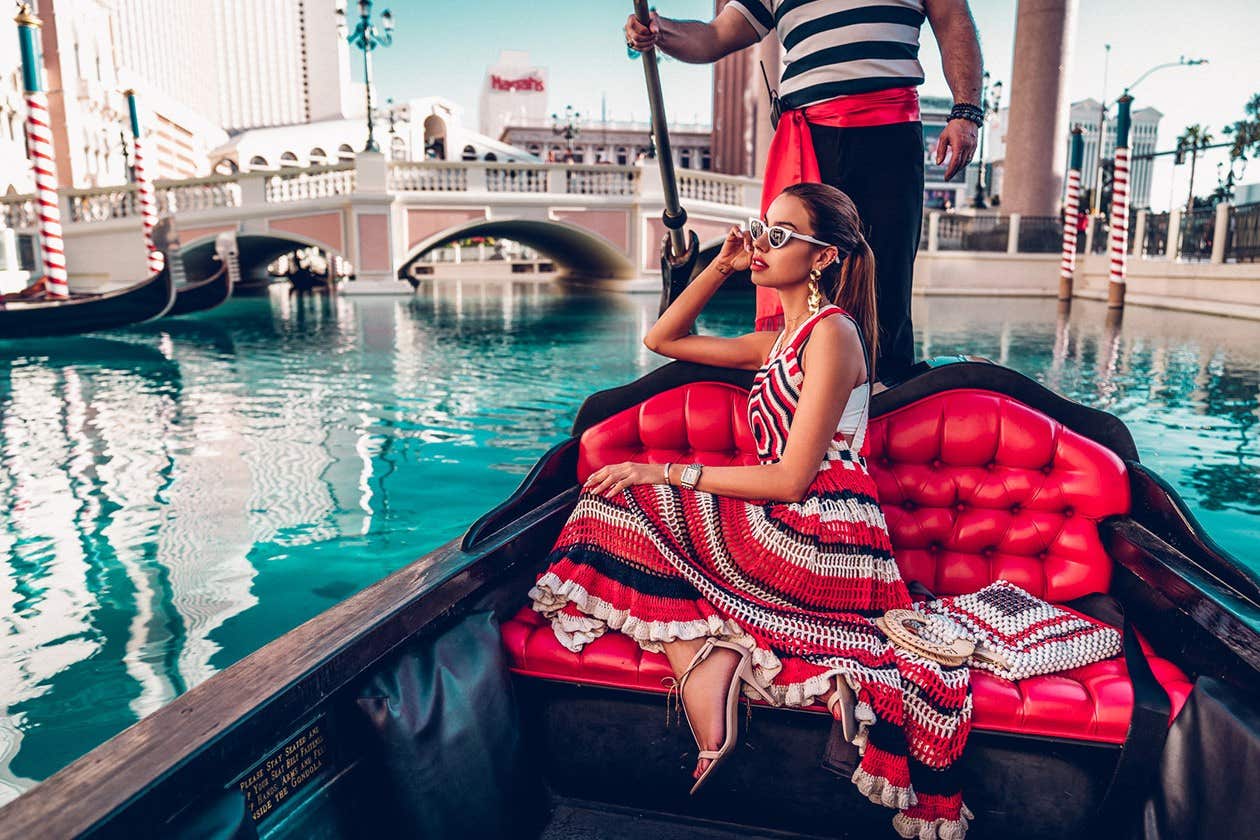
pixel 791 158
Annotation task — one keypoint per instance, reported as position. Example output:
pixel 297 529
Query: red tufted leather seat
pixel 975 487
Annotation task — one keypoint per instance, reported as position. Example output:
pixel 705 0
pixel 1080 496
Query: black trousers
pixel 881 169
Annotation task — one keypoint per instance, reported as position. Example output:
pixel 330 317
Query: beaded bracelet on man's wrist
pixel 967 111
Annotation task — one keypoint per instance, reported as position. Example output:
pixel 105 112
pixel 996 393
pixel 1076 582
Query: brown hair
pixel 849 281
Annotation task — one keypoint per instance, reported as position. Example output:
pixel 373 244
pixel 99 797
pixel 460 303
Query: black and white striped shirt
pixel 838 47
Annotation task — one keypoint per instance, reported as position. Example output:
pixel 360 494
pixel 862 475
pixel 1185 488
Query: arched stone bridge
pixel 593 221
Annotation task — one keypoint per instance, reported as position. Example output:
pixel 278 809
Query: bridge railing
pixel 730 190
pixel 193 194
pixel 18 212
pixel 490 176
pixel 312 182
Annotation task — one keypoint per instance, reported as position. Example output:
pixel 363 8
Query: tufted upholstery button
pixel 1067 512
pixel 936 463
pixel 960 507
pixel 989 552
pixel 1015 508
pixel 934 546
pixel 908 504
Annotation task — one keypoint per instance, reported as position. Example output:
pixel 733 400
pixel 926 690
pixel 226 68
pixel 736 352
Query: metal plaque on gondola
pixel 294 764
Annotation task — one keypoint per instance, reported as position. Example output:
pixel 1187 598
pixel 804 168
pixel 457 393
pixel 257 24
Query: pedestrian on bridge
pixel 848 97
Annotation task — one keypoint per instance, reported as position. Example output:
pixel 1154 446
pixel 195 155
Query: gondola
pixel 435 703
pixel 200 295
pixel 83 313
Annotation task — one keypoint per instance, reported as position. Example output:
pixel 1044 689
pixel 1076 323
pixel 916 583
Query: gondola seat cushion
pixel 975 486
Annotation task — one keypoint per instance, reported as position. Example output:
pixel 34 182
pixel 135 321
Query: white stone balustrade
pixel 312 183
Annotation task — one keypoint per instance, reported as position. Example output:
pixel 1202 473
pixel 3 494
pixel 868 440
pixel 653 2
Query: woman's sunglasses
pixel 777 235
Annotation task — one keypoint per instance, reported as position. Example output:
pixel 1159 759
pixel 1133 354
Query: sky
pixel 444 48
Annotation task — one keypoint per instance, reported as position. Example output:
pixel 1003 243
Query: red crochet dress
pixel 796 583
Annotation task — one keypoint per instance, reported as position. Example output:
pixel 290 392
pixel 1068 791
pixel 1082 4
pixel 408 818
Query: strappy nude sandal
pixel 841 705
pixel 743 673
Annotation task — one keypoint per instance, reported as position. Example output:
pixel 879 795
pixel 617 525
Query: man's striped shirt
pixel 838 47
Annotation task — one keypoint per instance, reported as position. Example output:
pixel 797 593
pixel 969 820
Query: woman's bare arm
pixel 671 334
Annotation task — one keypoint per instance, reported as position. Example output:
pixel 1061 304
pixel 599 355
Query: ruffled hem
pixel 938 829
pixel 882 792
pixel 551 595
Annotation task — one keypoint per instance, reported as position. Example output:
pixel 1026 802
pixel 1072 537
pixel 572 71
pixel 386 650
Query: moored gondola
pixel 433 703
pixel 207 293
pixel 81 313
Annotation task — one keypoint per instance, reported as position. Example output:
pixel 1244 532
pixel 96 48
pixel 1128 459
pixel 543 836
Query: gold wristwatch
pixel 691 475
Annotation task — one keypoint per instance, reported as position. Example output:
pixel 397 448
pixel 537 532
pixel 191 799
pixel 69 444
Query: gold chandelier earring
pixel 814 301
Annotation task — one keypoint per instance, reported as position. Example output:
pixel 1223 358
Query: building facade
pixel 613 142
pixel 1143 138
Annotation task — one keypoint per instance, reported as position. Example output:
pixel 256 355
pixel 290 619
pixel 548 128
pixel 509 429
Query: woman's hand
pixel 736 253
pixel 611 480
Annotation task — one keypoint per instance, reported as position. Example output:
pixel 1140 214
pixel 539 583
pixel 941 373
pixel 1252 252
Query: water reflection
pixel 180 494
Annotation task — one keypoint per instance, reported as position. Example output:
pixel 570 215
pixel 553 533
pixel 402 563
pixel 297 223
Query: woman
pixel 767 577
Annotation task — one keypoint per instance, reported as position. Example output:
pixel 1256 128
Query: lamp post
pixel 1182 61
pixel 567 127
pixel 367 37
pixel 990 101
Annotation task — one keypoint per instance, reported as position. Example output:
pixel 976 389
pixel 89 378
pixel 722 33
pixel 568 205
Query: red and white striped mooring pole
pixel 43 161
pixel 1120 208
pixel 144 186
pixel 1071 215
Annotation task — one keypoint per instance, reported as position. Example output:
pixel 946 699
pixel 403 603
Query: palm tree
pixel 1195 137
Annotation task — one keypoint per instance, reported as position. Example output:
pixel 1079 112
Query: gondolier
pixel 850 118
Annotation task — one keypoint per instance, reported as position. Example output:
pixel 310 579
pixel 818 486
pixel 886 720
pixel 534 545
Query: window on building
pixel 288 160
pixel 318 156
pixel 345 152
pixel 259 162
pixel 534 149
pixel 490 156
pixel 623 156
pixel 469 153
pixel 684 158
pixel 706 160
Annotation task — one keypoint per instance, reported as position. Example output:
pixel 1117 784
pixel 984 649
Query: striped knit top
pixel 776 390
pixel 840 47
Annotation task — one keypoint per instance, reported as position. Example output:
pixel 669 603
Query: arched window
pixel 534 149
pixel 345 152
pixel 490 156
pixel 259 162
pixel 318 156
pixel 288 160
pixel 469 153
pixel 225 166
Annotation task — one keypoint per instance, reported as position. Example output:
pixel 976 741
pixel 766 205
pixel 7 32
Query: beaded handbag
pixel 1018 635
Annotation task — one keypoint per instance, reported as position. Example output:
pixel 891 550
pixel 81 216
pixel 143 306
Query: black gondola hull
pixel 144 301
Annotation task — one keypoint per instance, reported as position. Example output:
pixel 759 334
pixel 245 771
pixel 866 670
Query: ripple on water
pixel 180 493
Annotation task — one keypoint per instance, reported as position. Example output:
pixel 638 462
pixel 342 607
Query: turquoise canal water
pixel 178 495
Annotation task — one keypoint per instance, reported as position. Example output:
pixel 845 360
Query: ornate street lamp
pixel 567 127
pixel 367 38
pixel 990 101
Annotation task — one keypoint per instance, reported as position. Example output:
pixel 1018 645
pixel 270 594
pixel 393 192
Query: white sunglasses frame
pixel 791 234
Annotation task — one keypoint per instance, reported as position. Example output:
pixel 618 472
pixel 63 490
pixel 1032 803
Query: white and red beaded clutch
pixel 1018 635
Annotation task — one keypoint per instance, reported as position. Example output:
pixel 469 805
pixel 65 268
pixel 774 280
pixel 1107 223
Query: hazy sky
pixel 444 48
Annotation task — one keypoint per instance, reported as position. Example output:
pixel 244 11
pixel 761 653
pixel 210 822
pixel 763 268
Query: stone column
pixel 1036 154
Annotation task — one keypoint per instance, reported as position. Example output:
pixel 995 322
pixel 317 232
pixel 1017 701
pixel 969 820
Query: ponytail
pixel 854 291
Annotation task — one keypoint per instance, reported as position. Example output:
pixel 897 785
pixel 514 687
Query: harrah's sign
pixel 529 83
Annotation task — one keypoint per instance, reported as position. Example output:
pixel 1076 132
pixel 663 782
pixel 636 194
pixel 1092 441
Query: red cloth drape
pixel 791 159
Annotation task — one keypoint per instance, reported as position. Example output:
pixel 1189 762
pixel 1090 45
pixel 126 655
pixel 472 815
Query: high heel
pixel 743 673
pixel 840 704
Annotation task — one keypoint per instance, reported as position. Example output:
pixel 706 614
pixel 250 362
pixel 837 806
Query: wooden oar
pixel 679 250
